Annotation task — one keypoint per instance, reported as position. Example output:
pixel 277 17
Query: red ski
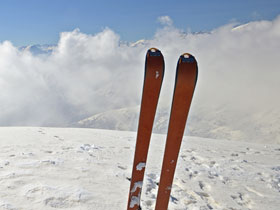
pixel 154 72
pixel 186 77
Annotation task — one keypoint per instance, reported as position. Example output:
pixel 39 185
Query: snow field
pixel 72 168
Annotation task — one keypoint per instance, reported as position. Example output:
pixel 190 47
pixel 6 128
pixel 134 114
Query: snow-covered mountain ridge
pixel 217 124
pixel 74 168
pixel 39 49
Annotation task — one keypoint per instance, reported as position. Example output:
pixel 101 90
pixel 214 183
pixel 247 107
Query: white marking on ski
pixel 157 74
pixel 136 185
pixel 140 166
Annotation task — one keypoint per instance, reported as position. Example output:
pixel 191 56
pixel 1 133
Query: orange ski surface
pixel 186 77
pixel 154 72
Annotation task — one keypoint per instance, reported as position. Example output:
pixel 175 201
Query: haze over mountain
pixel 93 75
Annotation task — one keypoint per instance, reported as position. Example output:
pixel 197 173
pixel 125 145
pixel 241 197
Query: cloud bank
pixel 87 74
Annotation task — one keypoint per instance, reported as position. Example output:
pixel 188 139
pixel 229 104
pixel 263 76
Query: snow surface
pixel 74 168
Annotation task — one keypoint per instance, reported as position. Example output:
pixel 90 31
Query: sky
pixel 41 21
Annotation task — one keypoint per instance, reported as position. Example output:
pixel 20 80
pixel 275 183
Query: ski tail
pixel 185 82
pixel 154 73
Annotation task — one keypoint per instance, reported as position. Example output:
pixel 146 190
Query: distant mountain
pixel 47 49
pixel 119 119
pixel 39 49
pixel 220 123
pixel 139 42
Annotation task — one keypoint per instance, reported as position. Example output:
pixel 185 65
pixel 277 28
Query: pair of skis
pixel 185 81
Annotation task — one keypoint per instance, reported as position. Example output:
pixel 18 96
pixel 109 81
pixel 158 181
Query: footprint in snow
pixel 42 132
pixel 276 168
pixel 151 187
pixel 88 147
pixel 122 167
pixel 203 186
pixel 58 138
pixel 202 195
pixel 192 174
pixel 242 199
pixel 173 199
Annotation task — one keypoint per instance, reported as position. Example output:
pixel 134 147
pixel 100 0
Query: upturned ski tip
pixel 154 52
pixel 187 58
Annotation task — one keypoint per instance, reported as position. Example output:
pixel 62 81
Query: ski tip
pixel 154 52
pixel 187 58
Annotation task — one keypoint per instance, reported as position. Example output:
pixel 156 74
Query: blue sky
pixel 40 21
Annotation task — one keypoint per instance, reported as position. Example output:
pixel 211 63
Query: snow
pixel 75 168
pixel 135 200
pixel 140 166
pixel 136 185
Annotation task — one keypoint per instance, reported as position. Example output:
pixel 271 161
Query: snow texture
pixel 136 186
pixel 81 169
pixel 140 166
pixel 135 200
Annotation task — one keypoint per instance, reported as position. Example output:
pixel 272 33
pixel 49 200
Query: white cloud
pixel 165 20
pixel 87 74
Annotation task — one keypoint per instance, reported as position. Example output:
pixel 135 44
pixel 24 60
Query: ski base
pixel 154 72
pixel 186 77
